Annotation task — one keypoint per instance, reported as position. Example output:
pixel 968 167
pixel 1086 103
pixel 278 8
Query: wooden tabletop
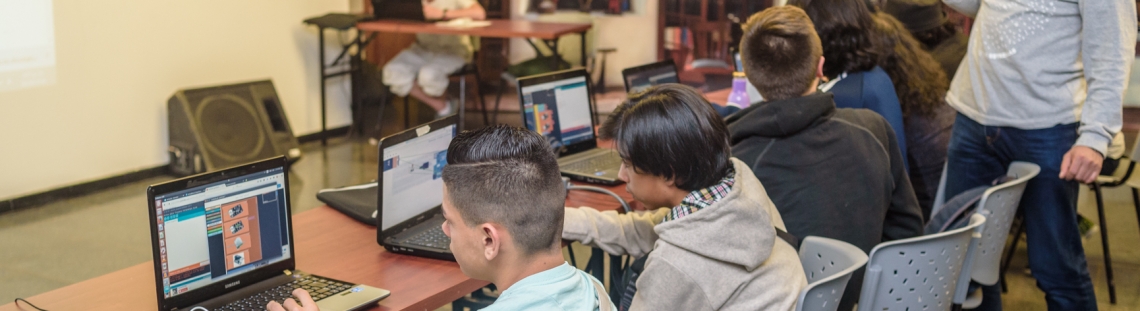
pixel 328 244
pixel 718 97
pixel 499 28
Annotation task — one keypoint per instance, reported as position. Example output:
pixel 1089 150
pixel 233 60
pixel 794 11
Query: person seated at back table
pixel 710 242
pixel 422 69
pixel 834 173
pixel 503 202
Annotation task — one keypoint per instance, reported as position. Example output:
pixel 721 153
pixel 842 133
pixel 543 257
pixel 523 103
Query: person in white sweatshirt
pixel 1042 82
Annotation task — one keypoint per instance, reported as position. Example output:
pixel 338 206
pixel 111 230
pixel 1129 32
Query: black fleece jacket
pixel 833 173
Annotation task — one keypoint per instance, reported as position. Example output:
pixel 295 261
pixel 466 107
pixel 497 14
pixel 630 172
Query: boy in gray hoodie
pixel 710 237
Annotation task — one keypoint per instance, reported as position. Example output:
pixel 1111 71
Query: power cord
pixel 18 300
pixel 625 205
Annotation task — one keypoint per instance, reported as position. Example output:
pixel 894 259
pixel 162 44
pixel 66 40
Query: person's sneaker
pixel 447 108
pixel 1086 227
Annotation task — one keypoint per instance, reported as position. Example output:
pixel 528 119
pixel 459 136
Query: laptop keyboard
pixel 318 287
pixel 596 163
pixel 433 237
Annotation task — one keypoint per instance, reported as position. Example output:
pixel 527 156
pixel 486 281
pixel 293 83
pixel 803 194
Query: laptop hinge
pixel 287 272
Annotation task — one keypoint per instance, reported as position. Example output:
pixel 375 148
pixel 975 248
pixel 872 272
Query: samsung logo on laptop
pixel 235 283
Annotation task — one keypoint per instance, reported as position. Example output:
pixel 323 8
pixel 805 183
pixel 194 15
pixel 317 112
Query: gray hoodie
pixel 724 257
pixel 1035 64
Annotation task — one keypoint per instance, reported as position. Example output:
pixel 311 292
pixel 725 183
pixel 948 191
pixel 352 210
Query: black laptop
pixel 558 106
pixel 410 192
pixel 409 10
pixel 224 241
pixel 642 77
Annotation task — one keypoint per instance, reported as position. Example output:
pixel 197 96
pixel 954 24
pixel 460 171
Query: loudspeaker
pixel 217 127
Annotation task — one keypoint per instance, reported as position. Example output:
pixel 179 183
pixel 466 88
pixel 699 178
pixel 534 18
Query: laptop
pixel 557 105
pixel 224 241
pixel 409 213
pixel 642 77
pixel 408 10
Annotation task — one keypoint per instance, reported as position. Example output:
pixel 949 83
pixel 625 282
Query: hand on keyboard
pixel 307 303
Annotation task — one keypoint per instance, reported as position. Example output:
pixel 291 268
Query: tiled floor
pixel 50 246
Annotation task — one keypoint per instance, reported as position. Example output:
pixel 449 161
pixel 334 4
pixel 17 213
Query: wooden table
pixel 328 243
pixel 499 28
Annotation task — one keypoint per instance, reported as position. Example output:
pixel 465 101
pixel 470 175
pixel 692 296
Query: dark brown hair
pixel 844 28
pixel 671 131
pixel 780 51
pixel 507 176
pixel 919 81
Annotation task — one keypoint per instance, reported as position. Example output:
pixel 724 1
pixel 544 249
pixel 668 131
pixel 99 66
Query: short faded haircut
pixel 508 176
pixel 780 51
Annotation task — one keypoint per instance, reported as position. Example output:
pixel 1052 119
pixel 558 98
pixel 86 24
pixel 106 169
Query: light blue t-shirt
pixel 562 288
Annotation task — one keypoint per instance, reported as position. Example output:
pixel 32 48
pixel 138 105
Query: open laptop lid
pixel 642 77
pixel 409 10
pixel 216 232
pixel 410 179
pixel 558 106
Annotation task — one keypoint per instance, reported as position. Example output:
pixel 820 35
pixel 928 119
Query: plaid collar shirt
pixel 703 198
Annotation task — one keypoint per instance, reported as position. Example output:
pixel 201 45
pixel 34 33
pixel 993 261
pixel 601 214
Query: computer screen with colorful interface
pixel 213 232
pixel 654 76
pixel 559 110
pixel 412 176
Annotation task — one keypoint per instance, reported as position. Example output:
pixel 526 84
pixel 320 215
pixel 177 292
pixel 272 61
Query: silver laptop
pixel 224 241
pixel 410 191
pixel 557 105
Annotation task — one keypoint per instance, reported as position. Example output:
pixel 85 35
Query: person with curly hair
pixel 927 22
pixel 927 119
pixel 852 68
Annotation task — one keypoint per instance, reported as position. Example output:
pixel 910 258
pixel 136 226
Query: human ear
pixel 492 241
pixel 819 69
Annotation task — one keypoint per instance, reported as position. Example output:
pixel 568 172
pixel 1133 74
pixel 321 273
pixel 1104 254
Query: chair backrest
pixel 999 205
pixel 920 273
pixel 940 195
pixel 828 265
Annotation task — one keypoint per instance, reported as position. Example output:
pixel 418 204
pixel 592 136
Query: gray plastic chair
pixel 828 265
pixel 920 273
pixel 999 205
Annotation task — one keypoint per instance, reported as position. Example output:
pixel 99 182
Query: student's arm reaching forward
pixel 617 234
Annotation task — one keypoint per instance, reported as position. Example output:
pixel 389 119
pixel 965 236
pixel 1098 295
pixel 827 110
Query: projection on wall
pixel 27 44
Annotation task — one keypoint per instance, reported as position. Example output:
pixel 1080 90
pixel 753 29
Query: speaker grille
pixel 230 127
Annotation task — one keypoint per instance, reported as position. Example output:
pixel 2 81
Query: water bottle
pixel 739 95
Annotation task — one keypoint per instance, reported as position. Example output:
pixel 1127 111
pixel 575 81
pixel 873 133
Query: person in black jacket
pixel 835 173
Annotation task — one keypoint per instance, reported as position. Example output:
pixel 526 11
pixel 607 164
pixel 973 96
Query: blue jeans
pixel 979 154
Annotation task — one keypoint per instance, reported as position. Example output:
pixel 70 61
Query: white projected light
pixel 27 44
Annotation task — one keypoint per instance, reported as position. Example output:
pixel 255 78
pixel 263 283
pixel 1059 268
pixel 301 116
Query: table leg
pixel 555 60
pixel 321 49
pixel 583 35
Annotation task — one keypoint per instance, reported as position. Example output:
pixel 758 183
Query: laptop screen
pixel 217 231
pixel 652 76
pixel 412 175
pixel 559 110
pixel 739 64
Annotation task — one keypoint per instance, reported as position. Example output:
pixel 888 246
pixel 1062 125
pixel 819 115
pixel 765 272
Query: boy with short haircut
pixel 710 242
pixel 503 206
pixel 834 173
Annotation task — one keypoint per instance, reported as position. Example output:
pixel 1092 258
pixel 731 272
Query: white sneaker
pixel 446 111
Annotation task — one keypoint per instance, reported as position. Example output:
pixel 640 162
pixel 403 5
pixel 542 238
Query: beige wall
pixel 119 60
pixel 633 34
